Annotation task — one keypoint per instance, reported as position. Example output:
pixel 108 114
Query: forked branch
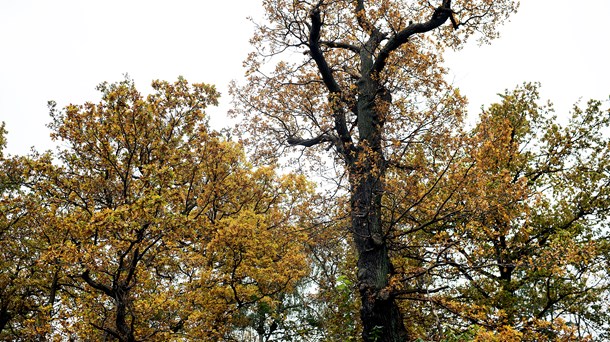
pixel 439 17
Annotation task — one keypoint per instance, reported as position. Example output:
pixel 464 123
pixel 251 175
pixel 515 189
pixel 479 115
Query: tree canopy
pixel 146 224
pixel 427 224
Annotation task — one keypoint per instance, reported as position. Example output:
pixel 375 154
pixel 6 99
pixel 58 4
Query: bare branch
pixel 336 95
pixel 340 45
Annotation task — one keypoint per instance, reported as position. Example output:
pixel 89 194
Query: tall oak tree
pixel 369 87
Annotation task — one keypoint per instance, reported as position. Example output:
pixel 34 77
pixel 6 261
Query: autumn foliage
pixel 473 233
pixel 427 224
pixel 146 225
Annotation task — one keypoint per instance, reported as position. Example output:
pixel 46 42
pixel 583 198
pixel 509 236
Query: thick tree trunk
pixel 380 315
pixel 53 292
pixel 381 318
pixel 124 330
pixel 119 292
pixel 365 161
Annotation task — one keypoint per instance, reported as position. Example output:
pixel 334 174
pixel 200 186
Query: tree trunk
pixel 119 293
pixel 124 330
pixel 381 318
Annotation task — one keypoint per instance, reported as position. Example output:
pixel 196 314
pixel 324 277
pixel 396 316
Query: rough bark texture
pixel 380 316
pixel 119 292
pixel 124 330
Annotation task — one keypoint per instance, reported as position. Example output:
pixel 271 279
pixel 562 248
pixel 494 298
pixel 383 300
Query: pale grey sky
pixel 60 50
pixel 563 44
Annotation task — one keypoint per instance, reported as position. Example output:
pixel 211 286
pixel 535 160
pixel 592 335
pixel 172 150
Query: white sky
pixel 60 50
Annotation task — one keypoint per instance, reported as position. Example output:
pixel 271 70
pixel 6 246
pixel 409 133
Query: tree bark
pixel 124 331
pixel 380 315
pixel 119 292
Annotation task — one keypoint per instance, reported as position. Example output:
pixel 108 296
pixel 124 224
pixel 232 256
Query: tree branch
pixel 101 287
pixel 439 17
pixel 316 52
pixel 294 141
pixel 340 45
pixel 106 330
pixel 327 77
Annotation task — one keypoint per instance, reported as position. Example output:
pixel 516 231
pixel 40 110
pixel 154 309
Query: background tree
pixel 168 232
pixel 323 305
pixel 370 88
pixel 529 249
pixel 27 287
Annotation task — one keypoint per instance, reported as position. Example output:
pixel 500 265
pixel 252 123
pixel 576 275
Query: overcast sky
pixel 60 50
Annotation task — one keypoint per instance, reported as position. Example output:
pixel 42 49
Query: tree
pixel 370 88
pixel 163 230
pixel 27 289
pixel 529 250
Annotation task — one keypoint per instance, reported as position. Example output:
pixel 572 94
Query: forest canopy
pixel 356 199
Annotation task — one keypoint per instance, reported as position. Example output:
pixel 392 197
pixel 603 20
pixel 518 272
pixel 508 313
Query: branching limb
pixel 101 287
pixel 439 17
pixel 340 45
pixel 361 17
pixel 316 52
pixel 297 141
pixel 454 22
pixel 335 92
